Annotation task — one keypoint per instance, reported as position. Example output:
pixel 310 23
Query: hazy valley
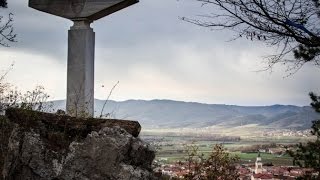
pixel 168 114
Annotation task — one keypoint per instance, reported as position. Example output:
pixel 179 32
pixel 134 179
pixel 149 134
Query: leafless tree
pixel 6 28
pixel 290 25
pixel 8 96
pixel 220 164
pixel 3 3
pixel 35 100
pixel 11 97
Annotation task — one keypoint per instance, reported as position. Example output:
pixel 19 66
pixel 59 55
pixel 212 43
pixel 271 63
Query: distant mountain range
pixel 177 114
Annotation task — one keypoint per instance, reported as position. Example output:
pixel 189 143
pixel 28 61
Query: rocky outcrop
pixel 70 125
pixel 42 150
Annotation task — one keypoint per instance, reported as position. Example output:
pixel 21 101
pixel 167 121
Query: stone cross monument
pixel 81 41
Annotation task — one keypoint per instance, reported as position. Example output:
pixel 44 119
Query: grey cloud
pixel 144 24
pixel 151 35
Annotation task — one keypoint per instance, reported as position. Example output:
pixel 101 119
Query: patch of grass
pixel 266 158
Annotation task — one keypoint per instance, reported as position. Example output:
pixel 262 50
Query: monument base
pixel 80 81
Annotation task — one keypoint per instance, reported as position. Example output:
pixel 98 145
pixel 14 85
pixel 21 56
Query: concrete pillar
pixel 80 80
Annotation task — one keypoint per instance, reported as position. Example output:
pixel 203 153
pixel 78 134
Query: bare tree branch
pixel 3 3
pixel 6 29
pixel 292 25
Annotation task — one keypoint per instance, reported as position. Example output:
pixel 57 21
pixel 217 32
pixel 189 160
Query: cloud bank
pixel 154 55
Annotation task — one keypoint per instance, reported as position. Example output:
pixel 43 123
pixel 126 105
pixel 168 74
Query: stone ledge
pixel 71 126
pixel 48 146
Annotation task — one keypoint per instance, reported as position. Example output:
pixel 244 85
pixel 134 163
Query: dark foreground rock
pixel 41 149
pixel 69 124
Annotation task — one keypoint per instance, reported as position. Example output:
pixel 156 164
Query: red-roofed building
pixel 262 176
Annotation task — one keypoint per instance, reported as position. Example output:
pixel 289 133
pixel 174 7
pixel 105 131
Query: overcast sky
pixel 154 55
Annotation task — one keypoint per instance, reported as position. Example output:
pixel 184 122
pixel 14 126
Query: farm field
pixel 172 146
pixel 173 153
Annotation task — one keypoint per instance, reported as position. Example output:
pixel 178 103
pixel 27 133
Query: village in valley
pixel 251 171
pixel 263 158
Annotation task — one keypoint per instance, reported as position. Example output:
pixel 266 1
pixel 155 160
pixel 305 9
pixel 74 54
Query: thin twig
pixel 108 99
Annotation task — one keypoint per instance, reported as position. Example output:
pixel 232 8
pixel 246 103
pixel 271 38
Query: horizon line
pixel 148 100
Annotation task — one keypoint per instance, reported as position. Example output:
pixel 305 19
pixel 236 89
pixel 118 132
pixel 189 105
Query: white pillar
pixel 80 80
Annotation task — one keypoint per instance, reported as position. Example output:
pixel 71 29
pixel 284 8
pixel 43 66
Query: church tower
pixel 258 168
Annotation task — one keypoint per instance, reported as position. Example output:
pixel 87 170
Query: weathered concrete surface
pixel 80 80
pixel 80 9
pixel 81 42
pixel 42 150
